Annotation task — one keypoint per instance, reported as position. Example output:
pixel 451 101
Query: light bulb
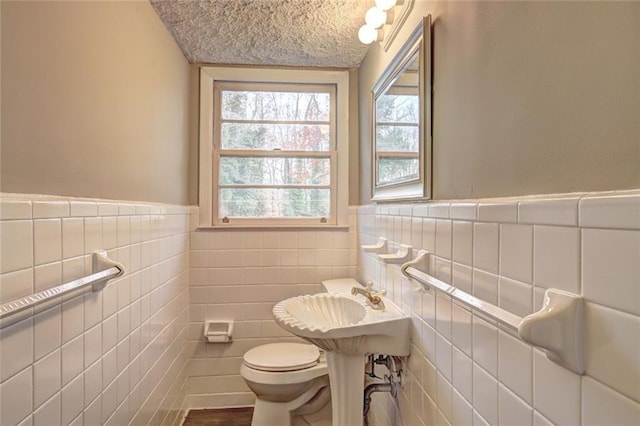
pixel 385 4
pixel 367 34
pixel 375 17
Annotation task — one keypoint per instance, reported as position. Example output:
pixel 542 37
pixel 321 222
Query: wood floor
pixel 219 417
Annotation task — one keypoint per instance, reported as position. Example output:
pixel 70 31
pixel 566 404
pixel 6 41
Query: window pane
pixel 274 171
pixel 392 169
pixel 397 138
pixel 288 137
pixel 274 203
pixel 398 108
pixel 283 106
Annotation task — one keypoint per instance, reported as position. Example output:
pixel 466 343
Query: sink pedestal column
pixel 346 374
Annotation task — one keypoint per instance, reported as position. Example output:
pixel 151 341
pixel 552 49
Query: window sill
pixel 272 227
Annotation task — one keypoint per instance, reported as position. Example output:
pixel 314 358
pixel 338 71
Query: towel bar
pixel 104 269
pixel 558 327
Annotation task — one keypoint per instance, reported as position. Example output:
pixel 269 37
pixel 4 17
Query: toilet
pixel 288 379
pixel 291 380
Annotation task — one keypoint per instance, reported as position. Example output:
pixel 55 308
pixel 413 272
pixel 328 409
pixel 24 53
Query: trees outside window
pixel 397 136
pixel 274 151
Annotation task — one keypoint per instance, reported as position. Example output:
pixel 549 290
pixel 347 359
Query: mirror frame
pixel 418 43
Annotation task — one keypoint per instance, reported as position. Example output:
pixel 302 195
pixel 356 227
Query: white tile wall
pixel 556 251
pixel 239 275
pixel 513 410
pixel 602 405
pixel 462 242
pixel 113 357
pixel 613 347
pixel 556 391
pixel 16 397
pixel 516 246
pixel 610 268
pixel 550 211
pixel 508 252
pixel 611 210
pixel 46 377
pixel 500 211
pixel 17 338
pixel 515 364
pixel 17 245
pixel 486 241
pixel 134 352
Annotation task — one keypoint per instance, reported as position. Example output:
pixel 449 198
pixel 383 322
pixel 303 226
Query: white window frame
pixel 208 155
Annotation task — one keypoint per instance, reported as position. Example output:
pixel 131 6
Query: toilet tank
pixel 340 285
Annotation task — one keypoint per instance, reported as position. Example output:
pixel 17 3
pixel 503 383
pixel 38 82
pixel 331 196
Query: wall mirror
pixel 402 122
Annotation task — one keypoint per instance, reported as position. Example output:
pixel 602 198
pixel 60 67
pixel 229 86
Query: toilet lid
pixel 282 357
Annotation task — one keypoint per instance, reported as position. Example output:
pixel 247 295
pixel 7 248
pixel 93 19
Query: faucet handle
pixel 369 286
pixel 379 293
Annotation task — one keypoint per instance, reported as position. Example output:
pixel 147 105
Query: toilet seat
pixel 281 357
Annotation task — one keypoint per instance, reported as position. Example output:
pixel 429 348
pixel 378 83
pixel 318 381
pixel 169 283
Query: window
pixel 273 150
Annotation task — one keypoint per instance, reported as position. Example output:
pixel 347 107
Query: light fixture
pixel 385 5
pixel 367 34
pixel 383 21
pixel 375 17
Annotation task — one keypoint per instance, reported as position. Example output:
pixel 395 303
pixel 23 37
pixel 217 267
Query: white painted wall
pixel 529 97
pixel 95 102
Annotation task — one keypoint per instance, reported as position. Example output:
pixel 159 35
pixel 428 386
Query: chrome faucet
pixel 373 298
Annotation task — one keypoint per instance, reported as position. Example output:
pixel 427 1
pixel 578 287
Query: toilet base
pixel 268 413
pixel 321 417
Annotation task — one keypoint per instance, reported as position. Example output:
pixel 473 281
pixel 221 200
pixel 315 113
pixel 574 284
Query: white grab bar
pixel 104 269
pixel 558 327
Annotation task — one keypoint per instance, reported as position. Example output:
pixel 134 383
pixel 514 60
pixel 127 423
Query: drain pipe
pixel 376 387
pixel 390 385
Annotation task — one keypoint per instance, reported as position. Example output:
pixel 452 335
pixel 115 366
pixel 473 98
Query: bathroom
pixel 532 182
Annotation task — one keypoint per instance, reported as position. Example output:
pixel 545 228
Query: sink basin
pixel 347 328
pixel 323 312
pixel 345 324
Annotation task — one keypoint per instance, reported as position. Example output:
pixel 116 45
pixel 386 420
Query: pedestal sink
pixel 347 329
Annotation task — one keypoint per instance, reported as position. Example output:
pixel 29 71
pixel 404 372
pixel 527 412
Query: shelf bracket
pixel 379 247
pixel 400 256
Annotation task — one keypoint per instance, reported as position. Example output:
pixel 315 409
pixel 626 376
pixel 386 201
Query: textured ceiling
pixel 312 33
